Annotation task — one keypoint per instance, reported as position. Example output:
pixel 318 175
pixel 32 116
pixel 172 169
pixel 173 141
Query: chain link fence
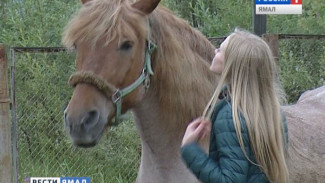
pixel 41 91
pixel 44 148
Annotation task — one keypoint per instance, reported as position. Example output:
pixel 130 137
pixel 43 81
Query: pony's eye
pixel 126 45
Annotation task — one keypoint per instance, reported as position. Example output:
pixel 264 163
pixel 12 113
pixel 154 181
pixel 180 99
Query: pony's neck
pixel 181 87
pixel 160 141
pixel 182 83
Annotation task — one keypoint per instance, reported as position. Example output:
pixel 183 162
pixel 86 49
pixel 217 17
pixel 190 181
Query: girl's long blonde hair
pixel 250 73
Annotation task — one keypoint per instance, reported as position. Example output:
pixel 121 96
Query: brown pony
pixel 306 123
pixel 112 40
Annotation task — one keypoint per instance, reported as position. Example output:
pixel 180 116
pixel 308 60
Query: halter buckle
pixel 147 82
pixel 116 96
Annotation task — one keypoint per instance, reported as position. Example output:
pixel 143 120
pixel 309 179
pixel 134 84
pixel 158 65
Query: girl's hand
pixel 196 130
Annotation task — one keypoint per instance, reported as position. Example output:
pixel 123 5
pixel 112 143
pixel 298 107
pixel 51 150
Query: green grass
pixel 115 159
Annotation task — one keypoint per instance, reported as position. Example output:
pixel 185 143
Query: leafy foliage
pixel 302 66
pixel 312 20
pixel 34 23
pixel 214 18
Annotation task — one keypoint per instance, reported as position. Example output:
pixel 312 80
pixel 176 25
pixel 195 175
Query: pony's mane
pixel 182 77
pixel 102 20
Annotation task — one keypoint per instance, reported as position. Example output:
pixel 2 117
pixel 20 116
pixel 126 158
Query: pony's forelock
pixel 101 19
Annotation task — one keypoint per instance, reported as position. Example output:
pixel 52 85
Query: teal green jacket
pixel 226 161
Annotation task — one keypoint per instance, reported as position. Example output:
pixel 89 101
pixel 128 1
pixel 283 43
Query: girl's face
pixel 219 58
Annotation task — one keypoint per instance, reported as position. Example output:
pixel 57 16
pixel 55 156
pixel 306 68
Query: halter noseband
pixel 110 91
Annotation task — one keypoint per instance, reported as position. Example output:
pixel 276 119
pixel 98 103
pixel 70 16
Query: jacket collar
pixel 224 100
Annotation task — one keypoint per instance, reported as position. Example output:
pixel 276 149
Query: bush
pixel 302 64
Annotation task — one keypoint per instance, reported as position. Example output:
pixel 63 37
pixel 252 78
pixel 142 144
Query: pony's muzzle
pixel 85 122
pixel 80 127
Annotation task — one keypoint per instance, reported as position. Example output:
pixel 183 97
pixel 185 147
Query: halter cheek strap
pixel 110 91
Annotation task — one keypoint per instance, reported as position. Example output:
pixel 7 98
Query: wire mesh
pixel 44 148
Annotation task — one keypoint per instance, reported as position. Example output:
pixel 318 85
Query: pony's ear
pixel 146 6
pixel 84 1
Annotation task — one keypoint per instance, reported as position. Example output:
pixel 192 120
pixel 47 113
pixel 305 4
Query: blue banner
pixel 75 179
pixel 272 1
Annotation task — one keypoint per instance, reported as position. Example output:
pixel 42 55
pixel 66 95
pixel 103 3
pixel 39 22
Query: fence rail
pixel 301 36
pixel 39 49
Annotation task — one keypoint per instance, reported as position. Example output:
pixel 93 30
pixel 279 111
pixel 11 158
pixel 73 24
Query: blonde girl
pixel 248 134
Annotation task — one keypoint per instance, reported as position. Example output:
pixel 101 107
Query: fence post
pixel 259 22
pixel 5 129
pixel 273 41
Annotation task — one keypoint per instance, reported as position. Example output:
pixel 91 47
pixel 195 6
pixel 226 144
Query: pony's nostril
pixel 67 122
pixel 90 120
pixel 65 116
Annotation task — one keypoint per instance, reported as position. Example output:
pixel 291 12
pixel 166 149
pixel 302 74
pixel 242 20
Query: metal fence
pixel 40 94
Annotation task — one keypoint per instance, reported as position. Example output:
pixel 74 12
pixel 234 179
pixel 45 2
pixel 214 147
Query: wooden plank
pixel 5 129
pixel 273 41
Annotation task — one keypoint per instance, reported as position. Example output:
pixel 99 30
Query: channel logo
pixel 278 7
pixel 59 180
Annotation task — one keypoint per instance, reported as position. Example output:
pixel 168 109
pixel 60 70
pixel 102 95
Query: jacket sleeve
pixel 230 165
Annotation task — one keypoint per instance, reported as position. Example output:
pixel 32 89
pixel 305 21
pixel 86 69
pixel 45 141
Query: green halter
pixel 144 78
pixel 111 91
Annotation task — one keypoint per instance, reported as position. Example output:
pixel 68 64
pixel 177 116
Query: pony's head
pixel 111 41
